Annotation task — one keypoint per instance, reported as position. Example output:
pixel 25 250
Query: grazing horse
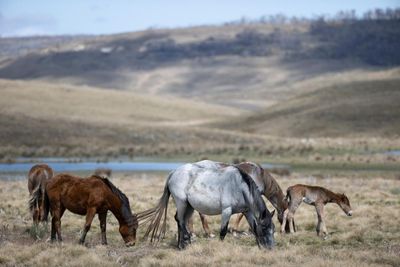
pixel 37 179
pixel 210 191
pixel 87 197
pixel 103 172
pixel 266 184
pixel 316 196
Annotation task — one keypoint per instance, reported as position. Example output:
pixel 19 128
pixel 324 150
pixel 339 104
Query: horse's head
pixel 265 230
pixel 344 204
pixel 128 233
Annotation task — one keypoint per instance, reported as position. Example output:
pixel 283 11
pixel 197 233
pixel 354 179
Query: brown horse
pixel 88 197
pixel 37 178
pixel 266 184
pixel 316 196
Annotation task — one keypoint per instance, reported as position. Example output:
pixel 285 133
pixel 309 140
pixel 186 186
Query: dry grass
pixel 369 238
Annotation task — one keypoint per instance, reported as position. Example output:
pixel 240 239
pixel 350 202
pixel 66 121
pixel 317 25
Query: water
pixel 91 166
pixel 393 152
pixel 19 170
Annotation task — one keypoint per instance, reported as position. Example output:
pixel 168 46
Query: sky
pixel 58 17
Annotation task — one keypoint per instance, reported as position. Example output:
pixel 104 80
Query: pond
pixel 87 166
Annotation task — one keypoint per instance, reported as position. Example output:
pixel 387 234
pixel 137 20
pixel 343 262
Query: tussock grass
pixel 38 231
pixel 370 238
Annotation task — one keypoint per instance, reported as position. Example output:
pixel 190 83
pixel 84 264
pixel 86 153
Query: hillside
pixel 227 89
pixel 78 120
pixel 356 109
pixel 249 66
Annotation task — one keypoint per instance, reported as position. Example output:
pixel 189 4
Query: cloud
pixel 29 24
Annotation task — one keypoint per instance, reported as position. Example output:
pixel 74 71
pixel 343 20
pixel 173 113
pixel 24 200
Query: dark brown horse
pixel 316 196
pixel 266 184
pixel 37 178
pixel 87 197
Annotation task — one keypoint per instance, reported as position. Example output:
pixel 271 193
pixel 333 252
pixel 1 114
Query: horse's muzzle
pixel 350 213
pixel 130 244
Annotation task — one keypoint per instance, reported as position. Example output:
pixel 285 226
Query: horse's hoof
pixel 211 236
pixel 235 234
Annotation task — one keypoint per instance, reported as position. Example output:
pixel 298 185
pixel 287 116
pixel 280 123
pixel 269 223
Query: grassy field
pixel 370 238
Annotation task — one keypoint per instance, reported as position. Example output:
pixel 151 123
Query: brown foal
pixel 38 176
pixel 316 196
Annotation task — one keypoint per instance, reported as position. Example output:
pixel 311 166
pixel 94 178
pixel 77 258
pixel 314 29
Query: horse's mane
pixel 125 208
pixel 255 193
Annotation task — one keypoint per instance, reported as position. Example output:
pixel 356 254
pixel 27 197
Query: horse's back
pixel 207 189
pixel 77 193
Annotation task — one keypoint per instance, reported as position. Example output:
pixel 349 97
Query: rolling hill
pixel 206 88
pixel 356 109
pixel 74 120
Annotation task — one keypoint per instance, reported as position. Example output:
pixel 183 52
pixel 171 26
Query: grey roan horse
pixel 210 191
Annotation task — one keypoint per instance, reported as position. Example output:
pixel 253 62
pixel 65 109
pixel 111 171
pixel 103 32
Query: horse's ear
pixel 272 213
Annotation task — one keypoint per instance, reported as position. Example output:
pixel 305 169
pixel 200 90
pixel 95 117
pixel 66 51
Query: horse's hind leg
pixel 205 225
pixel 284 221
pixel 293 205
pixel 235 228
pixel 190 227
pixel 103 224
pixel 89 218
pixel 183 212
pixel 56 223
pixel 226 215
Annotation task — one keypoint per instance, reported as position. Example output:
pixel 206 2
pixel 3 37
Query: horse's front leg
pixel 226 215
pixel 89 218
pixel 103 224
pixel 319 207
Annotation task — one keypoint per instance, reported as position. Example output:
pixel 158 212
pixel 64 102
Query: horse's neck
pixel 116 209
pixel 273 192
pixel 331 197
pixel 254 199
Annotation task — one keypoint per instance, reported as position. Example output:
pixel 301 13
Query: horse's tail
pixel 155 215
pixel 39 199
pixel 288 197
